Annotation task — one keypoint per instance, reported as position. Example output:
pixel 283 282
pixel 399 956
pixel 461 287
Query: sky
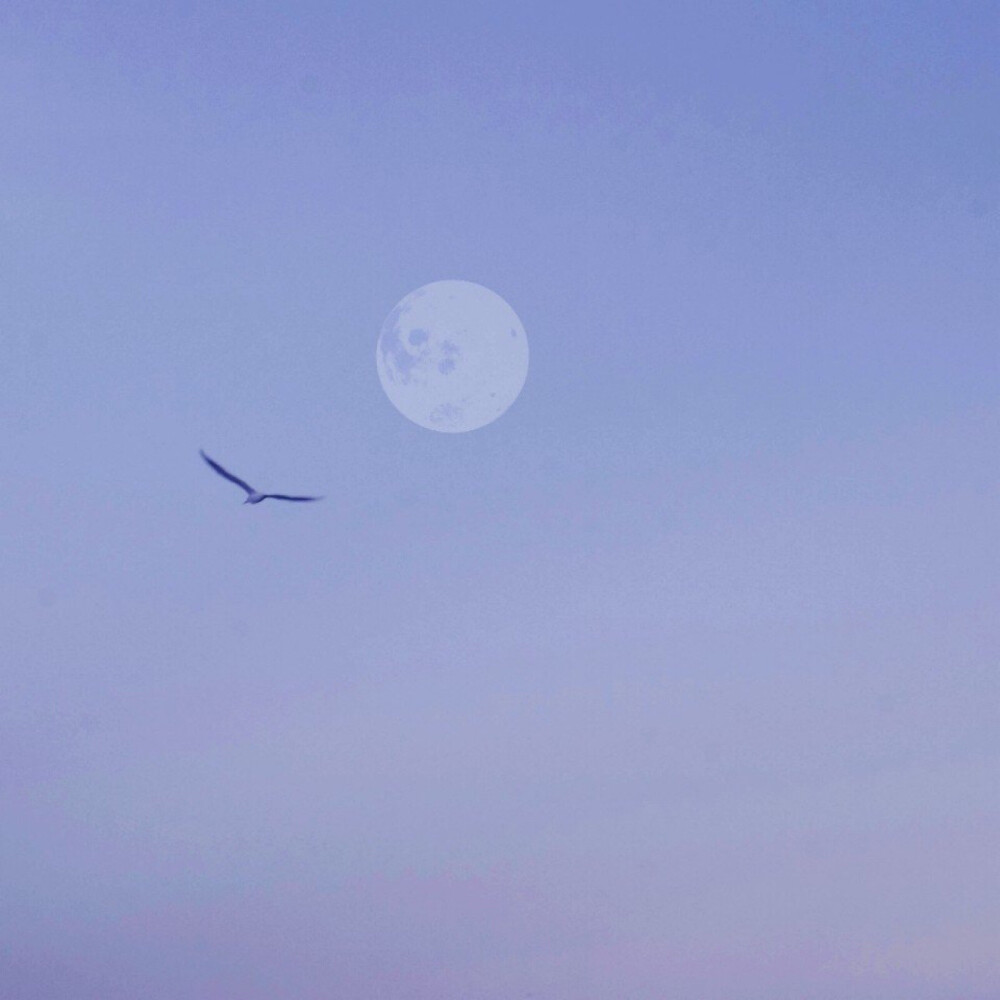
pixel 677 680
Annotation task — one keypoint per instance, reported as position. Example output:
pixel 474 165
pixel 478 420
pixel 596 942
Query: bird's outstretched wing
pixel 226 475
pixel 281 496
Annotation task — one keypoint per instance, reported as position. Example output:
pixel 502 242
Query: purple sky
pixel 678 681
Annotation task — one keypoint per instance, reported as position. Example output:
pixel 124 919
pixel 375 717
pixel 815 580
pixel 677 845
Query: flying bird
pixel 252 495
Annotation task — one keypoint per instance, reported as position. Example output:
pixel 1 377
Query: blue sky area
pixel 676 681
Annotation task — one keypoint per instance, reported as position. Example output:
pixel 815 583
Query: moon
pixel 452 356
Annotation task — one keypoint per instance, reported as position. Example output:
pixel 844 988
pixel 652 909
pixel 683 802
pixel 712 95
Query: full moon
pixel 452 356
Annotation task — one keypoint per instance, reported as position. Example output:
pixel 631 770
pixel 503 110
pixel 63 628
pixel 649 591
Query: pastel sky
pixel 678 681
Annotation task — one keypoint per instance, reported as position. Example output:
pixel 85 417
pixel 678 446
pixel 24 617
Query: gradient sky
pixel 677 681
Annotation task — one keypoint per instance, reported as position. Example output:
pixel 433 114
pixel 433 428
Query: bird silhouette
pixel 252 495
